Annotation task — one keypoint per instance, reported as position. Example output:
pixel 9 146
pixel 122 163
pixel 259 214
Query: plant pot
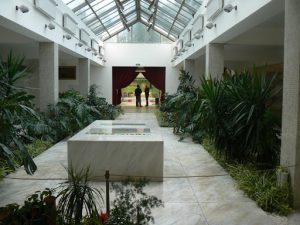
pixel 282 178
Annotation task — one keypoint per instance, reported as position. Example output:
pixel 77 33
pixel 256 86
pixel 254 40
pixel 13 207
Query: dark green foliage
pixel 20 124
pixel 132 205
pixel 37 147
pixel 105 111
pixel 33 211
pixel 179 107
pixel 235 113
pixel 15 106
pixel 78 197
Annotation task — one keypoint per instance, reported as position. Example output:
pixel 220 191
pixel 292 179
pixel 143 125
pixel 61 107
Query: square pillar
pixel 84 70
pixel 48 74
pixel 214 60
pixel 290 146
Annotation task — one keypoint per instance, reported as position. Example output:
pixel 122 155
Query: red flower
pixel 103 217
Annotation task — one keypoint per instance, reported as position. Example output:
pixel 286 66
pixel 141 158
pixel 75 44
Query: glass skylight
pixel 107 18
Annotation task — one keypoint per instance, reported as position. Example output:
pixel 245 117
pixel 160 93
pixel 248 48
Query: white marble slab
pixel 123 148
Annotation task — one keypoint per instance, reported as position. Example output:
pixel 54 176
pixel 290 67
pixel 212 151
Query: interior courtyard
pixel 77 59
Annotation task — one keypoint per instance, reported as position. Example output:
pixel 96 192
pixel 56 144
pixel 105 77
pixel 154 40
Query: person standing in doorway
pixel 147 95
pixel 138 92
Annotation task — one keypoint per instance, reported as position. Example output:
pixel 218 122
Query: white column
pixel 84 71
pixel 189 66
pixel 48 74
pixel 290 147
pixel 214 60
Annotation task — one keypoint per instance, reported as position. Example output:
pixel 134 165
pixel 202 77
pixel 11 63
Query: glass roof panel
pixel 106 17
pixel 73 3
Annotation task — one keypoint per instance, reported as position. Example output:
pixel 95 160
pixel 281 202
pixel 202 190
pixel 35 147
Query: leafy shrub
pixel 235 113
pixel 104 111
pixel 257 182
pixel 15 106
pixel 132 205
pixel 261 187
pixel 179 107
pixel 37 147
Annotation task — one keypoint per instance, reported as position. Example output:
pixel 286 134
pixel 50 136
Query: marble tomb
pixel 123 148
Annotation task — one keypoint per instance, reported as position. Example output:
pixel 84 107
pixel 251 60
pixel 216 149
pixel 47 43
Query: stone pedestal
pixel 133 152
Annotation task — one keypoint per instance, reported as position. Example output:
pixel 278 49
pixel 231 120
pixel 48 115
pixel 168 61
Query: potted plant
pixel 76 197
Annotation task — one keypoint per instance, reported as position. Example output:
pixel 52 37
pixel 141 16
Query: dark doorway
pixel 123 76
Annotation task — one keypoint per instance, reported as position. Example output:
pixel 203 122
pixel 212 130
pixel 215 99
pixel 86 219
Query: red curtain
pixel 157 77
pixel 122 77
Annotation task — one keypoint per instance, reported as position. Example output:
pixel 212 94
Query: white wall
pixel 249 14
pixel 32 25
pixel 121 54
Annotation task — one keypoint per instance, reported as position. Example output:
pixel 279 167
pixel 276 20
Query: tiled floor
pixel 195 191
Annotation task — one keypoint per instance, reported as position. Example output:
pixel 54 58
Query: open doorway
pixel 128 96
pixel 126 76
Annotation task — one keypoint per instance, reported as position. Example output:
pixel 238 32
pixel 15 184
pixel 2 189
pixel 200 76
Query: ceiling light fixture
pixel 140 70
pixel 23 8
pixel 229 7
pixel 67 36
pixel 79 44
pixel 198 36
pixel 51 26
pixel 210 25
pixel 88 49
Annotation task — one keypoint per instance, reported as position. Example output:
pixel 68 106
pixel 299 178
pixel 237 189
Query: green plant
pixel 15 106
pixel 37 147
pixel 104 111
pixel 34 210
pixel 164 119
pixel 78 197
pixel 179 107
pixel 132 205
pixel 258 183
pixel 261 186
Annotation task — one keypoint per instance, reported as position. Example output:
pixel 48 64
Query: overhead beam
pixel 138 9
pixel 153 28
pixel 99 30
pixel 153 15
pixel 100 15
pixel 122 17
pixel 81 6
pixel 178 12
pixel 130 24
pixel 187 6
pixel 87 2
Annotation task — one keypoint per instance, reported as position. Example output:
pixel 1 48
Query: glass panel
pixel 67 1
pixel 116 29
pixel 109 15
pixel 73 4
